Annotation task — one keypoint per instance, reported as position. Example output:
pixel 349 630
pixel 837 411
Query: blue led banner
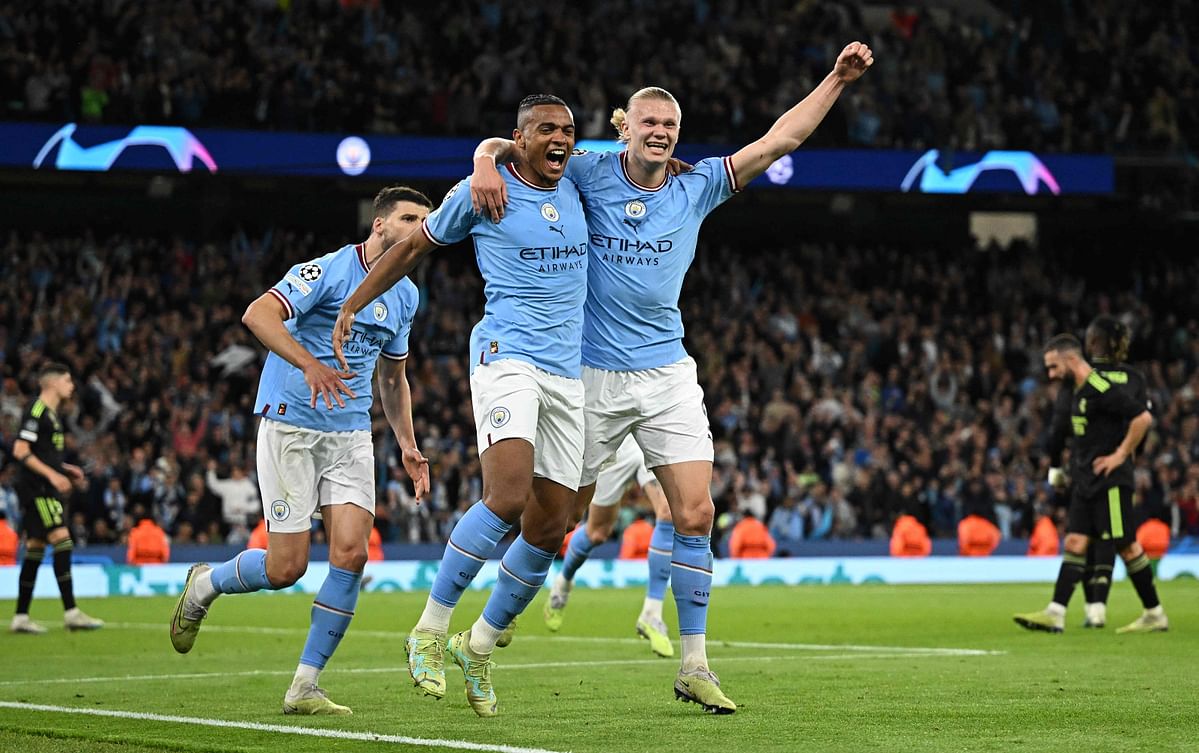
pixel 176 149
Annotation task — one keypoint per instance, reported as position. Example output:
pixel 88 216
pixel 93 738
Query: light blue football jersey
pixel 312 293
pixel 534 268
pixel 642 244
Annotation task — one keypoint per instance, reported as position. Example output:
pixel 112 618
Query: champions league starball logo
pixel 182 146
pixel 1028 169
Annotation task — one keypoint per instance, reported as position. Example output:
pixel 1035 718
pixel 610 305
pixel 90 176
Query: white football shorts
pixel 662 408
pixel 301 470
pixel 514 399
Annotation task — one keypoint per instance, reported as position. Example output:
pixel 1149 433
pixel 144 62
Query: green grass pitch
pixel 813 668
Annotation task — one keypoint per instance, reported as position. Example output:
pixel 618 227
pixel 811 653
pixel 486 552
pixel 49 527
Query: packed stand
pixel 846 385
pixel 1096 76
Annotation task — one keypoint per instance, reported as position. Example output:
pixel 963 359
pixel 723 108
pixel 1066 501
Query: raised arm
pixel 389 269
pixel 487 189
pixel 265 317
pixel 794 127
pixel 396 396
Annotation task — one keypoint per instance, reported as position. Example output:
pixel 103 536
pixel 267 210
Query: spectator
pixel 10 542
pixel 634 542
pixel 148 543
pixel 239 497
pixel 1045 541
pixel 787 527
pixel 909 538
pixel 977 536
pixel 1154 537
pixel 750 539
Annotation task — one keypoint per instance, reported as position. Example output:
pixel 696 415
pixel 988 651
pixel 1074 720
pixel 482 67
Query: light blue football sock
pixel 471 542
pixel 332 611
pixel 691 574
pixel 577 551
pixel 661 547
pixel 243 574
pixel 522 571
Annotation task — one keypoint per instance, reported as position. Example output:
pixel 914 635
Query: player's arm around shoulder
pixel 395 264
pixel 795 125
pixel 396 396
pixel 488 190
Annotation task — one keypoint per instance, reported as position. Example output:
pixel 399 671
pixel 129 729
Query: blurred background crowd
pixel 1098 76
pixel 846 384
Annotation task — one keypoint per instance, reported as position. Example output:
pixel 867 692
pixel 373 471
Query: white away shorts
pixel 301 470
pixel 662 408
pixel 516 400
pixel 628 464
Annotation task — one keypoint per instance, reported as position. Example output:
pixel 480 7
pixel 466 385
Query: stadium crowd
pixel 846 385
pixel 1087 77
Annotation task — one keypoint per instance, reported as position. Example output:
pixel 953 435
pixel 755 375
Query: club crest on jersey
pixel 280 510
pixel 380 311
pixel 635 209
pixel 549 212
pixel 311 272
pixel 499 417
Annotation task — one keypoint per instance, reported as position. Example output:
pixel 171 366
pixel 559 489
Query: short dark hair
pixel 386 199
pixel 1063 343
pixel 53 368
pixel 535 100
pixel 1108 338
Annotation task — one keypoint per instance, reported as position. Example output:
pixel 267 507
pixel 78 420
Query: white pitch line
pixel 370 737
pixel 498 666
pixel 255 630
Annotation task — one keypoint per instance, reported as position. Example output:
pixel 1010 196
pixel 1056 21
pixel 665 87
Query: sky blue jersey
pixel 534 268
pixel 312 292
pixel 642 244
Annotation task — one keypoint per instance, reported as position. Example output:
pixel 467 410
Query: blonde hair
pixel 649 92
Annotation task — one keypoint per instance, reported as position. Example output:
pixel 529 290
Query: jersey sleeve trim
pixel 28 436
pixel 424 226
pixel 393 357
pixel 731 173
pixel 291 311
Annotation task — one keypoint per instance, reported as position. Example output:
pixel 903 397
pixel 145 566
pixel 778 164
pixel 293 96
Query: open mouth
pixel 555 158
pixel 657 147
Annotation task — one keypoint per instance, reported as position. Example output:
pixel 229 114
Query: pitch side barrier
pixel 162 580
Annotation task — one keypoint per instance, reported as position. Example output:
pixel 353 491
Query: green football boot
pixel 1041 620
pixel 506 636
pixel 555 606
pixel 477 669
pixel 654 631
pixel 185 624
pixel 307 699
pixel 426 662
pixel 700 685
pixel 1148 622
